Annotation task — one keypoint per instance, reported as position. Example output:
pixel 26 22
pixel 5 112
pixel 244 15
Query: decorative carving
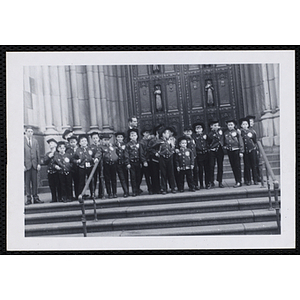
pixel 158 98
pixel 209 93
pixel 156 69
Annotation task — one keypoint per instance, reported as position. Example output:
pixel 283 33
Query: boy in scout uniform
pixel 52 173
pixel 202 159
pixel 73 145
pixel 110 161
pixel 145 157
pixel 249 139
pixel 133 161
pixel 191 144
pixel 85 158
pixel 121 167
pixel 62 163
pixel 185 164
pixel 215 142
pixel 251 120
pixel 96 148
pixel 154 158
pixel 234 145
pixel 66 135
pixel 166 152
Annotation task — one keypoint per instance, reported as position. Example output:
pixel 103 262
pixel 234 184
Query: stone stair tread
pixel 113 223
pixel 127 210
pixel 230 229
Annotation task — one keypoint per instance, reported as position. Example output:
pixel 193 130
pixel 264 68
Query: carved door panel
pixel 180 95
pixel 210 93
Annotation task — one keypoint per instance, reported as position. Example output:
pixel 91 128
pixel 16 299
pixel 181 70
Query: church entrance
pixel 180 95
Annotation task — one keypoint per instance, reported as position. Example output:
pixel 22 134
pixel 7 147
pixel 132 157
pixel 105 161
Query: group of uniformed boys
pixel 155 154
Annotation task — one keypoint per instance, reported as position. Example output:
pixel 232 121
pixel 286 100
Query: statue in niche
pixel 209 93
pixel 156 69
pixel 158 100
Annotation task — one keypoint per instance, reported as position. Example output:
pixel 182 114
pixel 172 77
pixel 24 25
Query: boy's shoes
pixel 134 195
pixel 238 184
pixel 201 187
pixel 181 191
pixel 37 200
pixel 248 183
pixel 140 191
pixel 197 188
pixel 221 185
pixel 208 187
pixel 28 202
pixel 173 191
pixel 110 196
pixel 256 183
pixel 192 190
pixel 125 195
pixel 164 192
pixel 115 196
pixel 212 184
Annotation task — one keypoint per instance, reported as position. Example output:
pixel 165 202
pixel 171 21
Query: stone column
pixel 92 102
pixel 77 128
pixel 63 97
pixel 112 96
pixel 97 97
pixel 122 99
pixel 266 119
pixel 50 129
pixel 104 104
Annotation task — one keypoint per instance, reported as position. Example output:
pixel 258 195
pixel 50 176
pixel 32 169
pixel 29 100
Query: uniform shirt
pixel 96 150
pixel 184 159
pixel 191 144
pixel 120 150
pixel 71 151
pixel 201 143
pixel 145 149
pixel 86 155
pixel 233 141
pixel 166 149
pixel 215 139
pixel 109 153
pixel 49 161
pixel 64 162
pixel 132 152
pixel 254 132
pixel 249 139
pixel 153 145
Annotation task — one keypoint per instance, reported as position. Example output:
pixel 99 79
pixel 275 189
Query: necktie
pixel 30 143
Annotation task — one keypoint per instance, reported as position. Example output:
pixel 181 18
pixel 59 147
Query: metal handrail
pixel 81 200
pixel 270 173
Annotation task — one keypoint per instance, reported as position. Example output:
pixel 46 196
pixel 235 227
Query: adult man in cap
pixel 132 124
pixel 31 165
pixel 66 135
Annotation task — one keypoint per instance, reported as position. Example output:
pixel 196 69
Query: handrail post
pixel 83 217
pixel 269 190
pixel 276 193
pixel 81 200
pixel 261 164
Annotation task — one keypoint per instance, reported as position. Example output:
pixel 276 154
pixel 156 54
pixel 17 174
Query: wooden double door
pixel 180 95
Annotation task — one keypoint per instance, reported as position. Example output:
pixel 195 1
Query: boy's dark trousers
pixel 203 165
pixel 66 185
pixel 123 176
pixel 195 173
pixel 75 178
pixel 84 173
pixel 167 173
pixel 97 175
pixel 176 173
pixel 154 171
pixel 250 164
pixel 189 179
pixel 110 177
pixel 213 157
pixel 147 171
pixel 135 173
pixel 54 186
pixel 235 163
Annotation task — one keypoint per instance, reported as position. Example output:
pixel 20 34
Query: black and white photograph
pixel 151 150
